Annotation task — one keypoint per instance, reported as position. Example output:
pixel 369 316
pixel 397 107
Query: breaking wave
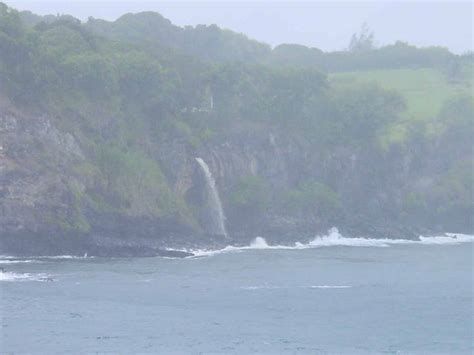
pixel 334 238
pixel 13 276
pixel 5 259
pixel 18 261
pixel 85 256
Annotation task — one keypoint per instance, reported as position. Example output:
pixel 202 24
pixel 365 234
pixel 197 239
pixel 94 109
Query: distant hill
pixel 209 43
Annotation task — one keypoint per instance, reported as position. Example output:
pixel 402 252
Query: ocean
pixel 334 295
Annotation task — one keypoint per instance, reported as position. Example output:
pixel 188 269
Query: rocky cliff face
pixel 43 209
pixel 35 165
pixel 48 205
pixel 377 192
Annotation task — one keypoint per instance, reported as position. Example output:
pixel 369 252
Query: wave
pixel 334 238
pixel 449 238
pixel 8 260
pixel 258 244
pixel 18 261
pixel 12 276
pixel 4 259
pixel 85 256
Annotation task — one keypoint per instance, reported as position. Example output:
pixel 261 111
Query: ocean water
pixel 334 295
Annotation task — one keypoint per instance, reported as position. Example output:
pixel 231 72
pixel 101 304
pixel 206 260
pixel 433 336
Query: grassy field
pixel 425 92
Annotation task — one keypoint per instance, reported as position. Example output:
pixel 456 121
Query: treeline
pixel 213 44
pixel 396 56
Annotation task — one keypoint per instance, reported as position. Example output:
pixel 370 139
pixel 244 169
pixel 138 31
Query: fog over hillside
pixel 293 140
pixel 322 24
pixel 236 177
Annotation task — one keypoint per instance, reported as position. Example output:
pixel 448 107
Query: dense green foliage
pixel 125 87
pixel 251 192
pixel 314 196
pixel 209 43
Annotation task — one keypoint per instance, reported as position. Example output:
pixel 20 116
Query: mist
pixel 236 177
pixel 325 25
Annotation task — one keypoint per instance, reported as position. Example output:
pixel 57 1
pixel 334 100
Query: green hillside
pixel 425 91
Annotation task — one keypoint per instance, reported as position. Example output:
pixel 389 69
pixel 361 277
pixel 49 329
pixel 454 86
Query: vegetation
pixel 126 88
pixel 251 193
pixel 315 196
pixel 425 92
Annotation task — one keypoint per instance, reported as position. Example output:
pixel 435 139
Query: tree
pixel 364 41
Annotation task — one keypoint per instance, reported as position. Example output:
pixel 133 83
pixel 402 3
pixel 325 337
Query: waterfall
pixel 217 213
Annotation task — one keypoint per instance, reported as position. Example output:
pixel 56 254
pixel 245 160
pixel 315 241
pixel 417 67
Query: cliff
pixel 99 140
pixel 49 206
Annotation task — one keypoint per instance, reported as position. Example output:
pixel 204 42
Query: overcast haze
pixel 325 25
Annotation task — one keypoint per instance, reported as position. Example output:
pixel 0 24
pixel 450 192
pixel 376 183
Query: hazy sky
pixel 324 24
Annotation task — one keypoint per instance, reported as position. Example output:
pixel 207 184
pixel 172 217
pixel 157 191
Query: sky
pixel 327 25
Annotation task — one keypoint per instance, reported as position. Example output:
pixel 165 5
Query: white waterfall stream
pixel 217 212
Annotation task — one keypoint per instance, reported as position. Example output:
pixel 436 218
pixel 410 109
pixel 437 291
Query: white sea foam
pixel 449 238
pixel 67 257
pixel 13 276
pixel 334 238
pixel 18 261
pixel 258 244
pixel 5 259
